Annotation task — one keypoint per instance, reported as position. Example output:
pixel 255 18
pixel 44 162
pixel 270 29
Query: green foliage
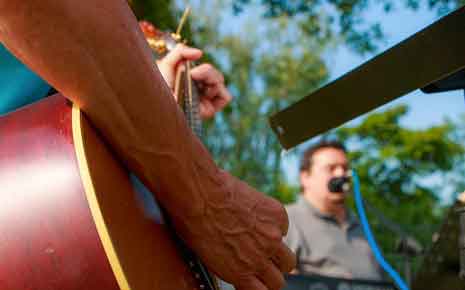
pixel 261 82
pixel 162 13
pixel 344 18
pixel 159 12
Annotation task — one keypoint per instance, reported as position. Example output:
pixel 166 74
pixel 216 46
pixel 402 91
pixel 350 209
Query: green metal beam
pixel 429 55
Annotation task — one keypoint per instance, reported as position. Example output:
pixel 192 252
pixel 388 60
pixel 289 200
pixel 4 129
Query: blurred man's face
pixel 326 164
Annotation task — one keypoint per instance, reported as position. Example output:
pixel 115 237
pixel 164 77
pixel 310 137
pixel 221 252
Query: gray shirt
pixel 325 247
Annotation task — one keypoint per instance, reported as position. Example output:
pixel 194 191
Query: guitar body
pixel 69 218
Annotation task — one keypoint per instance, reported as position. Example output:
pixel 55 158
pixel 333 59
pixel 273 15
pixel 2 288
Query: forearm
pixel 94 53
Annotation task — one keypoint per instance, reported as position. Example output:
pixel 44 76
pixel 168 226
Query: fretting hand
pixel 214 95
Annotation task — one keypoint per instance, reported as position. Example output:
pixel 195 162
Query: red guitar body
pixel 69 218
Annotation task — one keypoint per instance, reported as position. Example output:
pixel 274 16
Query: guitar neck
pixel 188 98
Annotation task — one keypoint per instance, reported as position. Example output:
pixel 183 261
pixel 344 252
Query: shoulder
pixel 295 238
pixel 298 216
pixel 296 209
pixel 292 208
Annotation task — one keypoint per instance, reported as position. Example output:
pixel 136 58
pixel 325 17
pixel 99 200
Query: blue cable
pixel 370 238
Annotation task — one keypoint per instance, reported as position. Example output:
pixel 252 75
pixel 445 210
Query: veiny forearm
pixel 94 53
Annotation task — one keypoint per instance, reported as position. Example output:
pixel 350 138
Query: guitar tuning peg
pixel 176 37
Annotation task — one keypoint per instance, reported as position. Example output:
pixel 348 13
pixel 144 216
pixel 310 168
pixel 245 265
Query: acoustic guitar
pixel 70 218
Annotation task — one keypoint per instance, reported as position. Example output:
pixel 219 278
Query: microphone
pixel 339 184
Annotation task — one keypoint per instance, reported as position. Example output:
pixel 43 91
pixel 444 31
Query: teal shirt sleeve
pixel 19 86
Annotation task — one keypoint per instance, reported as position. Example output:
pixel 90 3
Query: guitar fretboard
pixel 191 104
pixel 188 98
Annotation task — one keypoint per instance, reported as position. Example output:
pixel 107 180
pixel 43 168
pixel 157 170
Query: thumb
pixel 181 52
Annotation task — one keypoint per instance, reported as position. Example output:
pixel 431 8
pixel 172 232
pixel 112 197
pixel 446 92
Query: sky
pixel 425 109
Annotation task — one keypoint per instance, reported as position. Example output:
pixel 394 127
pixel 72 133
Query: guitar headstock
pixel 162 42
pixel 159 41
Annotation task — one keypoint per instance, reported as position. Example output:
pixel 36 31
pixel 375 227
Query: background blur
pixel 409 154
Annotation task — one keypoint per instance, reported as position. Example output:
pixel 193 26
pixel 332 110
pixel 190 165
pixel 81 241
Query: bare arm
pixel 94 53
pixel 96 56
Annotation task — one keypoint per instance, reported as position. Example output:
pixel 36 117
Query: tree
pixel 160 12
pixel 325 19
pixel 264 76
